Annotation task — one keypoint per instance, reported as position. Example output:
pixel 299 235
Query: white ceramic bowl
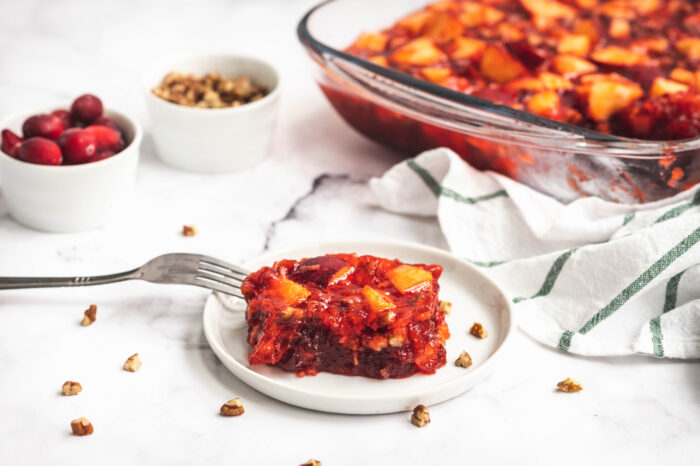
pixel 68 198
pixel 213 140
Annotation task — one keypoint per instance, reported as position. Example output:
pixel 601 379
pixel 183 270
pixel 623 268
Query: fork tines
pixel 220 276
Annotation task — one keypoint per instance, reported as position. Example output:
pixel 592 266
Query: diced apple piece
pixel 444 5
pixel 465 47
pixel 378 342
pixel 618 56
pixel 586 4
pixel 416 21
pixel 420 51
pixel 619 28
pixel 545 81
pixel 683 76
pixel 544 103
pixel 607 96
pixel 575 44
pixel 475 14
pixel 499 66
pixel 407 278
pixel 663 86
pixel 650 44
pixel 690 47
pixel 443 27
pixel 617 9
pixel 587 28
pixel 379 60
pixel 549 9
pixel 373 42
pixel 644 7
pixel 290 292
pixel 437 75
pixel 377 300
pixel 571 65
pixel 510 33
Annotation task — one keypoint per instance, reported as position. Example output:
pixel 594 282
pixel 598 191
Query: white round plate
pixel 474 297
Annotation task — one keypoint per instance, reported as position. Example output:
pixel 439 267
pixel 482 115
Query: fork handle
pixel 13 283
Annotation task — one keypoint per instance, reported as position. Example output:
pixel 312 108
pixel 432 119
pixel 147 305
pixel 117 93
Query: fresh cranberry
pixel 41 151
pixel 78 145
pixel 106 138
pixel 108 122
pixel 105 154
pixel 86 108
pixel 43 126
pixel 10 142
pixel 64 115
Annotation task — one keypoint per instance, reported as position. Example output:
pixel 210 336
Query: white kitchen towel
pixel 590 277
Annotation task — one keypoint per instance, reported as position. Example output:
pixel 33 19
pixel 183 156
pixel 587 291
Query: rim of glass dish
pixel 596 143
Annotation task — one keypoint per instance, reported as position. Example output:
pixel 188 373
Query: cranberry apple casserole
pixel 346 314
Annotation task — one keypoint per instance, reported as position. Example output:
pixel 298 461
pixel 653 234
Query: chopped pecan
pixel 89 316
pixel 569 385
pixel 464 360
pixel 189 230
pixel 232 408
pixel 478 330
pixel 81 426
pixel 71 388
pixel 133 363
pixel 420 416
pixel 445 306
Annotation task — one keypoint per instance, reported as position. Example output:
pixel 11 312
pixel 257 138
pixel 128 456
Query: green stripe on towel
pixel 551 277
pixel 657 336
pixel 677 211
pixel 637 285
pixel 439 190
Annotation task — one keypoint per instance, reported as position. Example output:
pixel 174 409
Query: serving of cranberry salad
pixel 81 134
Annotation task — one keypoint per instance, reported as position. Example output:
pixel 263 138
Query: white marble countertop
pixel 634 410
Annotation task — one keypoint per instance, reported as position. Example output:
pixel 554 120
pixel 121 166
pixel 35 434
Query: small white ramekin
pixel 213 140
pixel 69 198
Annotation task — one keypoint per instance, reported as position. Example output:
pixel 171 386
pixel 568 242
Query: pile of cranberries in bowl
pixel 66 137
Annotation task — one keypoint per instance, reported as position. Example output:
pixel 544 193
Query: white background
pixel 634 410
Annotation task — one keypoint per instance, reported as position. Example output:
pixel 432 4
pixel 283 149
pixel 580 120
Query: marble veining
pixel 312 187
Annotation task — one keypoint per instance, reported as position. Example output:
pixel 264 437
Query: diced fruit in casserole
pixel 377 300
pixel 575 44
pixel 291 293
pixel 475 14
pixel 690 47
pixel 618 56
pixel 370 41
pixel 572 65
pixel 437 75
pixel 606 94
pixel 663 86
pixel 443 27
pixel 415 22
pixel 548 9
pixel 499 66
pixel 464 47
pixel 544 103
pixel 545 81
pixel 420 51
pixel 321 270
pixel 619 28
pixel 407 278
pixel 685 76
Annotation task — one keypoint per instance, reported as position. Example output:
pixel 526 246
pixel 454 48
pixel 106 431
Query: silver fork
pixel 177 269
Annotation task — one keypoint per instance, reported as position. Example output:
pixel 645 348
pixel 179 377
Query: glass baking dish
pixel 413 115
